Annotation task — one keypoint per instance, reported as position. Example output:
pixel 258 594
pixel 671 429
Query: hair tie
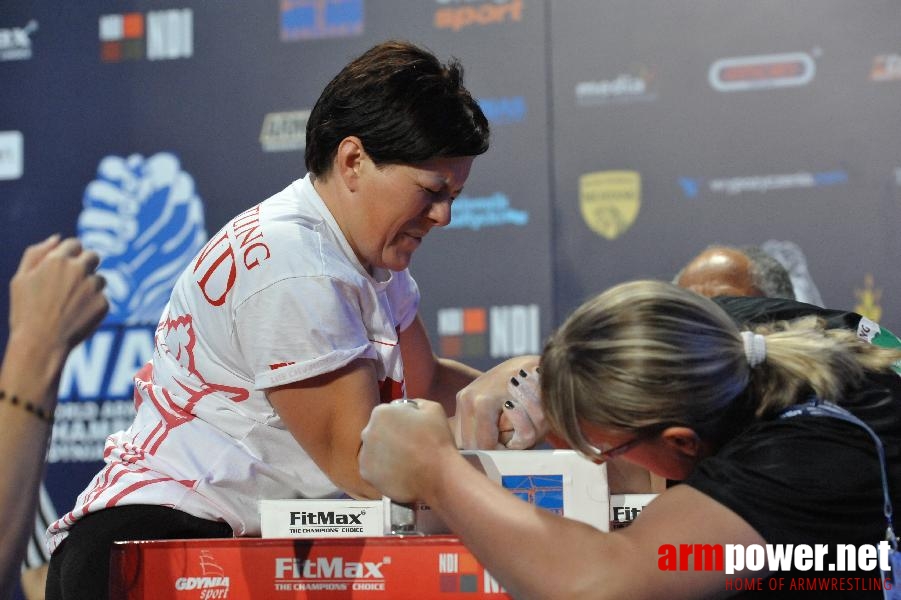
pixel 755 347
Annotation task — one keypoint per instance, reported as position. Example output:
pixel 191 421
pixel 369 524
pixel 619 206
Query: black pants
pixel 79 569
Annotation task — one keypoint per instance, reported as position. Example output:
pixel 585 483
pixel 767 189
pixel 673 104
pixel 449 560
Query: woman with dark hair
pixel 770 428
pixel 290 325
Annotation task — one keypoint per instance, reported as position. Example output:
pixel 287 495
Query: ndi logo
pixel 499 331
pixel 460 573
pixel 169 35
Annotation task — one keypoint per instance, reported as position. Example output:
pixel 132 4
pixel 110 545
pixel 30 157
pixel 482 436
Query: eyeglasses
pixel 604 454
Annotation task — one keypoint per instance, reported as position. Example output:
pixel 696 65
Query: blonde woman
pixel 663 378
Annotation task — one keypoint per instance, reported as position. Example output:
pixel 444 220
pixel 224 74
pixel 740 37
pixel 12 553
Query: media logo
pixel 213 583
pixel 490 211
pixel 458 14
pixel 12 155
pixel 503 111
pixel 499 331
pixel 158 35
pixel 15 42
pixel 886 67
pixel 610 201
pixel 284 131
pixel 765 71
pixel 731 186
pixel 625 88
pixel 145 220
pixel 317 19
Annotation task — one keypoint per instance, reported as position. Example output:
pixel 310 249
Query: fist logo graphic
pixel 145 220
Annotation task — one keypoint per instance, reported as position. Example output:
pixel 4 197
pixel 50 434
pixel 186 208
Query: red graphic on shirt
pixel 219 272
pixel 176 338
pixel 216 265
pixel 277 366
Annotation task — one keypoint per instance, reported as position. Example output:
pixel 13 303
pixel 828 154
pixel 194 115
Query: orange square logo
pixel 468 564
pixel 474 320
pixel 133 25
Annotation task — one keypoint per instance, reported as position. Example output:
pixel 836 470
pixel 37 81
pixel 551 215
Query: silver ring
pixel 405 401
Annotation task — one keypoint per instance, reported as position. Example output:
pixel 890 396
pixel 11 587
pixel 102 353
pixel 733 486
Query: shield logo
pixel 609 201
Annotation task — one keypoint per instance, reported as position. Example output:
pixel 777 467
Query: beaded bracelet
pixel 44 415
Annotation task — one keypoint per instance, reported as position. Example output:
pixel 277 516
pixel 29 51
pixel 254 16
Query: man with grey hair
pixel 731 271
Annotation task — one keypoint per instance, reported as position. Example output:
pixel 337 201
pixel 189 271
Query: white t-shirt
pixel 274 297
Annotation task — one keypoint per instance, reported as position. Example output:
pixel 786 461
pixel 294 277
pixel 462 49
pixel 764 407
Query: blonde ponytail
pixel 802 357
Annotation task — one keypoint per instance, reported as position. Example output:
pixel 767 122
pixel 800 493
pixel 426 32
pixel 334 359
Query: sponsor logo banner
pixel 625 88
pixel 869 299
pixel 504 110
pixel 765 71
pixel 610 201
pixel 370 568
pixel 459 14
pixel 211 582
pixel 12 155
pixel 490 211
pixel 284 131
pixel 158 35
pixel 15 42
pixel 317 19
pixel 886 67
pixel 731 186
pixel 498 331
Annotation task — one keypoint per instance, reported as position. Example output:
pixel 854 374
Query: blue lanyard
pixel 822 409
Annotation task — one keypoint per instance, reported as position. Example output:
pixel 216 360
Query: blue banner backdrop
pixel 627 136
